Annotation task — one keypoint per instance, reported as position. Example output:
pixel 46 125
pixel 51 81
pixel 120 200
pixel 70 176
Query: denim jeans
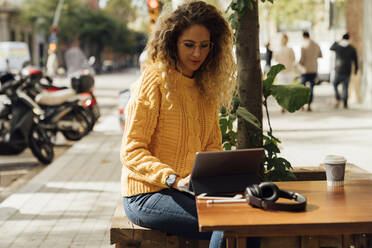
pixel 309 77
pixel 173 212
pixel 345 87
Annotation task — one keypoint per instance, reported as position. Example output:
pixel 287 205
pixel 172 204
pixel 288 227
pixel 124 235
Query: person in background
pixel 268 57
pixel 7 66
pixel 172 114
pixel 310 52
pixel 345 55
pixel 285 56
pixel 75 58
pixel 51 64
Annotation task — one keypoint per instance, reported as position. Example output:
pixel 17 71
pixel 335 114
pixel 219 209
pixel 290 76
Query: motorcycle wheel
pixel 84 126
pixel 41 145
pixel 90 117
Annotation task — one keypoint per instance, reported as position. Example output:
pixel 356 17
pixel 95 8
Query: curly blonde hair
pixel 216 77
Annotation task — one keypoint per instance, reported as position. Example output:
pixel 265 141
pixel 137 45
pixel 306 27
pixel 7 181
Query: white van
pixel 13 55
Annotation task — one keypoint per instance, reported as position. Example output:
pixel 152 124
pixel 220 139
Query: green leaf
pixel 223 125
pixel 233 135
pixel 226 146
pixel 268 82
pixel 247 116
pixel 232 117
pixel 291 97
pixel 230 124
pixel 272 147
pixel 250 5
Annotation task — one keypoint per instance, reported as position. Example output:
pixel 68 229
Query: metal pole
pixel 57 14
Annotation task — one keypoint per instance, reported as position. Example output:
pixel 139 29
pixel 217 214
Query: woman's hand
pixel 182 184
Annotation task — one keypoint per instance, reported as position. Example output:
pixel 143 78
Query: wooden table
pixel 346 210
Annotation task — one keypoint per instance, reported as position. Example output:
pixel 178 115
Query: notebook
pixel 222 172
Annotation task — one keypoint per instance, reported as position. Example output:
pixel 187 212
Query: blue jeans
pixel 173 212
pixel 345 87
pixel 309 77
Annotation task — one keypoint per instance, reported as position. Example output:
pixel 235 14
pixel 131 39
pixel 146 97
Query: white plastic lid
pixel 334 159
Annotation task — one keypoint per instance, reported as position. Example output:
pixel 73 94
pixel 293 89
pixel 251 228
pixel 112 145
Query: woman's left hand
pixel 182 183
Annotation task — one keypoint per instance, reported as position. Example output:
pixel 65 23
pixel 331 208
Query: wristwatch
pixel 171 179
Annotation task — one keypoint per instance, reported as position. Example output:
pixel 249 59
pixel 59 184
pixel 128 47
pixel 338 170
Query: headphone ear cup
pixel 269 192
pixel 255 190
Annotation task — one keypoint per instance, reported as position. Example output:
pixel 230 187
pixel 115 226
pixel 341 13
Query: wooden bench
pixel 123 233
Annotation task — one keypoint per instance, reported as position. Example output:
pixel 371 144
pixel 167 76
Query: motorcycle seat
pixel 53 98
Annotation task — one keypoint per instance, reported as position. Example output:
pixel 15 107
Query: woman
pixel 285 56
pixel 172 114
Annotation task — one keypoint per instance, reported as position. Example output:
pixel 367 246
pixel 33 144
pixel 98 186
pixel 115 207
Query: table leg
pixel 241 242
pixel 230 242
pixel 309 242
pixel 347 240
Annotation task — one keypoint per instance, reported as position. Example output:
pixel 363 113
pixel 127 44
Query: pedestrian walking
pixel 268 58
pixel 285 56
pixel 75 58
pixel 345 55
pixel 172 114
pixel 51 64
pixel 310 52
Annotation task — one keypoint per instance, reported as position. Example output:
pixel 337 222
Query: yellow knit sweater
pixel 160 136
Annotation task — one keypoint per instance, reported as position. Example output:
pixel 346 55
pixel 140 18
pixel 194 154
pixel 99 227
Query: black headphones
pixel 264 196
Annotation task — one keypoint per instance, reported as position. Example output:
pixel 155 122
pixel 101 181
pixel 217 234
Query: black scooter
pixel 63 110
pixel 20 122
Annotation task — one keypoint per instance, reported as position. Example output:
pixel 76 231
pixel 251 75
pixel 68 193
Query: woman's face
pixel 193 46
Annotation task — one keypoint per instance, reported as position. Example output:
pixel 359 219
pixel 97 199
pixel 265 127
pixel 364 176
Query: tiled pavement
pixel 71 202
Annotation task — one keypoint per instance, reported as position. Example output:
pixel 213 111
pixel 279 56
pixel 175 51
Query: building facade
pixel 367 54
pixel 13 29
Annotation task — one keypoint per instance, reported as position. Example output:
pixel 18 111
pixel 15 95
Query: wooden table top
pixel 347 210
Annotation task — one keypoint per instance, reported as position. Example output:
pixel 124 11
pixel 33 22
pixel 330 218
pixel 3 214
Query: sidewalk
pixel 307 137
pixel 71 202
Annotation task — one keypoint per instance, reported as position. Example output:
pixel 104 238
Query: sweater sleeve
pixel 215 137
pixel 141 119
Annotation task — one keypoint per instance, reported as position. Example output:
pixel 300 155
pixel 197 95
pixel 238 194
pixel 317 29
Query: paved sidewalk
pixel 307 137
pixel 71 202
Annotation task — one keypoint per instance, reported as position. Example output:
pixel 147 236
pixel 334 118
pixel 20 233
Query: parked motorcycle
pixel 83 83
pixel 20 122
pixel 64 108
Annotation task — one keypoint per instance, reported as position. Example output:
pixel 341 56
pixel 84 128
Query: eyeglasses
pixel 204 46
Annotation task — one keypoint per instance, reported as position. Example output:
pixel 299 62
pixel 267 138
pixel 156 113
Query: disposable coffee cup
pixel 335 170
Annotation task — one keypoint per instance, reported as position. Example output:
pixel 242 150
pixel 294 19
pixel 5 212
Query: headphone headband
pixel 265 195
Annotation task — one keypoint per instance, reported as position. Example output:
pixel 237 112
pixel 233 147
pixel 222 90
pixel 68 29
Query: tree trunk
pixel 249 73
pixel 354 26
